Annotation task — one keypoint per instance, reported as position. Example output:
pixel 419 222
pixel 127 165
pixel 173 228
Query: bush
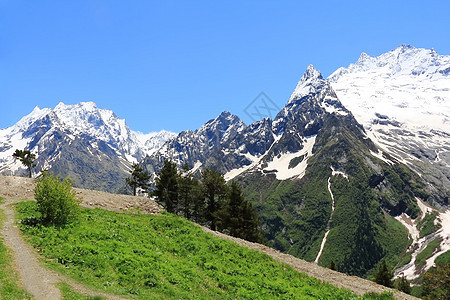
pixel 56 200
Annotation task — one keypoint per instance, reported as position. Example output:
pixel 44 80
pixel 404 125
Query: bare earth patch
pixel 20 188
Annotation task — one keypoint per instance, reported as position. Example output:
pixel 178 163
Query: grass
pixel 427 252
pixel 68 294
pixel 443 258
pixel 427 225
pixel 163 257
pixel 8 277
pixel 394 238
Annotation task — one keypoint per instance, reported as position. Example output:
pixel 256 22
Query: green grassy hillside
pixel 165 256
pixel 295 213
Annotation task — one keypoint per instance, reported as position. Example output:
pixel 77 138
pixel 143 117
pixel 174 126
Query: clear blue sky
pixel 176 64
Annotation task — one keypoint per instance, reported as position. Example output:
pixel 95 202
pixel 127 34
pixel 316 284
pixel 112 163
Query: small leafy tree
pixel 383 275
pixel 139 178
pixel 27 158
pixel 56 200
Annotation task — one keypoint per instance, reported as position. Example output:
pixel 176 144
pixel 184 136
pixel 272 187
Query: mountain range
pixel 333 176
pixel 91 145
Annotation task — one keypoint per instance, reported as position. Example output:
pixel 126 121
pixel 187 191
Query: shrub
pixel 56 200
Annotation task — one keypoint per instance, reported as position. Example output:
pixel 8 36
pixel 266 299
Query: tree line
pixel 208 201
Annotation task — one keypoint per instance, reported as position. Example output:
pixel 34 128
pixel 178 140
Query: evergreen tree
pixel 238 217
pixel 383 275
pixel 333 266
pixel 190 197
pixel 139 178
pixel 436 283
pixel 167 189
pixel 214 189
pixel 27 158
pixel 197 202
pixel 403 285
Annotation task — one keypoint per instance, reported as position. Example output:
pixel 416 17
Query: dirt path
pixel 358 285
pixel 20 188
pixel 38 281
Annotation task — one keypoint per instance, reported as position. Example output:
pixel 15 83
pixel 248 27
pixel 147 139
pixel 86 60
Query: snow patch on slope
pixel 324 240
pixel 418 244
pixel 280 165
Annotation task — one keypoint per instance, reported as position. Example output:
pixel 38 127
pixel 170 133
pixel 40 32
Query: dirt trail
pixel 21 188
pixel 358 285
pixel 38 281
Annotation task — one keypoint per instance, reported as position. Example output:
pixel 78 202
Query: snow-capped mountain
pixel 312 173
pixel 402 98
pixel 53 133
pixel 226 144
pixel 327 175
pixel 197 147
pixel 151 142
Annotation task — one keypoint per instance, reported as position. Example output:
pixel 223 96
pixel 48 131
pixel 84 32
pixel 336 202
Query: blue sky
pixel 176 64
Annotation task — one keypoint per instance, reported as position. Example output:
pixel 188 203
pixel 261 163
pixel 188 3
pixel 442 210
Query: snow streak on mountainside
pixel 402 98
pixel 100 135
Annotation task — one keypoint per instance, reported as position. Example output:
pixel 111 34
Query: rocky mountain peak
pixel 310 82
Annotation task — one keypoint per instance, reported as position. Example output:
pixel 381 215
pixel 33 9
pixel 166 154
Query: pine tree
pixel 167 189
pixel 139 178
pixel 214 189
pixel 333 266
pixel 27 158
pixel 383 275
pixel 198 204
pixel 403 285
pixel 436 283
pixel 238 217
pixel 189 194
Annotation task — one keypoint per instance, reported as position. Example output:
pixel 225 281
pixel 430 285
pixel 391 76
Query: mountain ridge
pixel 402 98
pixel 289 167
pixel 90 140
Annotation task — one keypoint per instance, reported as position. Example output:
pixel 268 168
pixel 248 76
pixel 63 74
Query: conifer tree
pixel 139 178
pixel 383 275
pixel 167 189
pixel 238 217
pixel 436 284
pixel 403 285
pixel 214 189
pixel 27 158
pixel 190 197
